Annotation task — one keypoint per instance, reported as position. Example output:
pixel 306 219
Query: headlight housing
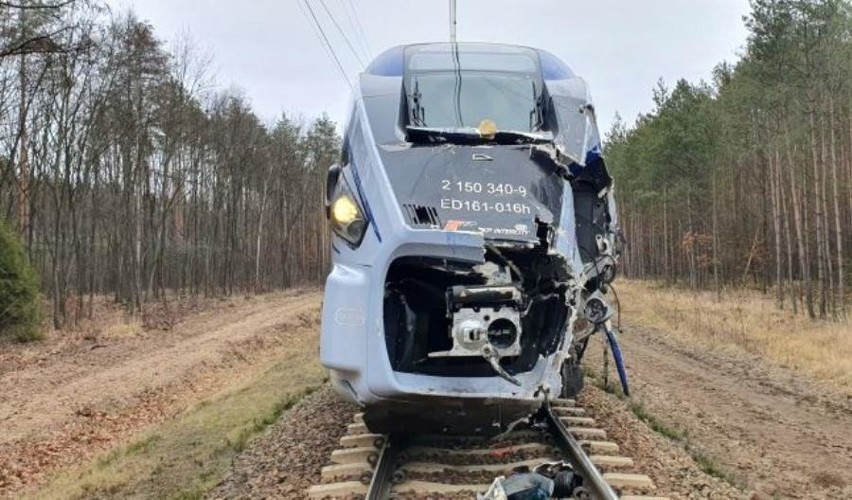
pixel 344 209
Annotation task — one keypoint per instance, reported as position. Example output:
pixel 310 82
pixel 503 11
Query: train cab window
pixel 451 86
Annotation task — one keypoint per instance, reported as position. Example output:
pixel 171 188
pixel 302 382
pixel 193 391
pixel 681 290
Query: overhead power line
pixel 359 38
pixel 361 27
pixel 327 43
pixel 342 33
pixel 315 30
pixel 313 27
pixel 453 21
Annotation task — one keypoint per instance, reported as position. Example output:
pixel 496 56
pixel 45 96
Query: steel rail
pixel 382 481
pixel 574 453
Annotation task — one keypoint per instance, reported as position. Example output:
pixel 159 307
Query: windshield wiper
pixel 537 113
pixel 418 113
pixel 470 135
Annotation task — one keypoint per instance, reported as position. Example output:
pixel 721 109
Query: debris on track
pixel 289 458
pixel 436 466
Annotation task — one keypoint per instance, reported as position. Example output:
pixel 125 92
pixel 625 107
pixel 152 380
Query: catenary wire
pixel 359 39
pixel 313 27
pixel 361 27
pixel 342 33
pixel 328 44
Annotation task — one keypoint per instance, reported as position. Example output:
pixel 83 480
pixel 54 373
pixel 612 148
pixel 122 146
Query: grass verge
pixel 655 423
pixel 680 436
pixel 185 457
pixel 744 320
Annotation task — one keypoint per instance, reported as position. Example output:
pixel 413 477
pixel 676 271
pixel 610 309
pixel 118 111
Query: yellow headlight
pixel 344 210
pixel 487 128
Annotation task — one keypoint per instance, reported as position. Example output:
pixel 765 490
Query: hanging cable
pixel 361 28
pixel 328 44
pixel 319 36
pixel 313 27
pixel 355 29
pixel 453 23
pixel 342 33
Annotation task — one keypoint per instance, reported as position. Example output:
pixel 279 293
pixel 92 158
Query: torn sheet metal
pixel 489 224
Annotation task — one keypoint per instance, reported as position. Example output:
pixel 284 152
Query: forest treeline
pixel 747 179
pixel 127 174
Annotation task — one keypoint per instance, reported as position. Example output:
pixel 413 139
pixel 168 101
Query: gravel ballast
pixel 288 457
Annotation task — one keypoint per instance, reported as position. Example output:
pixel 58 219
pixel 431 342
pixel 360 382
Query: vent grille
pixel 421 215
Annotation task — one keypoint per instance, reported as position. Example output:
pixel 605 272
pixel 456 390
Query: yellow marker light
pixel 487 128
pixel 344 210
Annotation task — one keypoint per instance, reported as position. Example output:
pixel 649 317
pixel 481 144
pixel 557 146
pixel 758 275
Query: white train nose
pixel 458 272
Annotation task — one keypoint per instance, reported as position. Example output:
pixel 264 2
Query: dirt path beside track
pixel 61 404
pixel 769 430
pixel 774 432
pixel 717 424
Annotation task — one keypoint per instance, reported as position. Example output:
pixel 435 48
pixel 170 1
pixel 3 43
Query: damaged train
pixel 475 234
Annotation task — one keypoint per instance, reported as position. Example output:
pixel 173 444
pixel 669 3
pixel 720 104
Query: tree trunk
pixel 776 226
pixel 23 156
pixel 841 299
pixel 788 237
pixel 820 241
pixel 800 232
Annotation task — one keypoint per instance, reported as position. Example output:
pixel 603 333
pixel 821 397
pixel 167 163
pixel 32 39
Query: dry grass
pixel 744 320
pixel 129 327
pixel 186 457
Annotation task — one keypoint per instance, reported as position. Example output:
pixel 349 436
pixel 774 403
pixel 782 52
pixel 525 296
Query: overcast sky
pixel 269 49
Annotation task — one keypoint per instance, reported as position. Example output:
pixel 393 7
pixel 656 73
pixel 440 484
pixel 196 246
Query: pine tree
pixel 19 299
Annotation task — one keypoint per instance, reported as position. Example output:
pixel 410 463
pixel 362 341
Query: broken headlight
pixel 596 309
pixel 344 209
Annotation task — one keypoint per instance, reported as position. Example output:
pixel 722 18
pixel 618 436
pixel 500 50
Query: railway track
pixel 562 437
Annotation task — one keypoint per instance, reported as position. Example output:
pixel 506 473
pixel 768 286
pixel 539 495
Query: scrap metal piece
pixel 519 485
pixel 490 354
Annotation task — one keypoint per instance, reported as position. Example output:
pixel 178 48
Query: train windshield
pixel 450 87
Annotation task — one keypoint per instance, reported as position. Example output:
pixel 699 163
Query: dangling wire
pixel 361 31
pixel 617 306
pixel 342 33
pixel 328 44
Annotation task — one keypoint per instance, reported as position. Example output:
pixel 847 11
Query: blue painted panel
pixel 388 63
pixel 552 68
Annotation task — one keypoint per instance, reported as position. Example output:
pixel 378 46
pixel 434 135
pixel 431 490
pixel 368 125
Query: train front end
pixel 473 226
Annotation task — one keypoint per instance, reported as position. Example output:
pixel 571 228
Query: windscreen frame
pixel 466 50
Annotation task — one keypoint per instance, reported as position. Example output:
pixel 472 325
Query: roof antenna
pixel 452 21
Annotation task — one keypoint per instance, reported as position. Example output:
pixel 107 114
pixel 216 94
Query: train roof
pixel 392 61
pixel 379 84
